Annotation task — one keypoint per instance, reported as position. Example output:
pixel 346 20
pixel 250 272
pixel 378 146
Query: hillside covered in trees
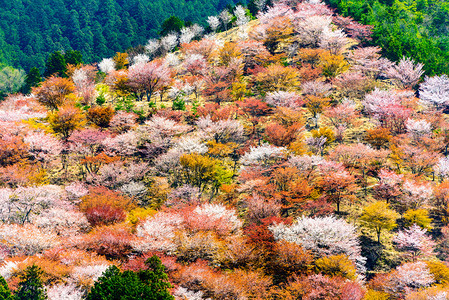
pixel 282 158
pixel 412 28
pixel 31 29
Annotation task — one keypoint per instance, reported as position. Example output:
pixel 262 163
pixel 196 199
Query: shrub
pixel 336 265
pixel 100 116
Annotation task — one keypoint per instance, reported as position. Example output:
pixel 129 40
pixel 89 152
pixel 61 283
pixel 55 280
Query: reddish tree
pixel 100 116
pixel 12 150
pixel 279 135
pixel 53 91
pixel 253 109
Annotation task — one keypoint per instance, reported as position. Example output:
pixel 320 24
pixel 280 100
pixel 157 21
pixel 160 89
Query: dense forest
pixel 31 29
pixel 412 28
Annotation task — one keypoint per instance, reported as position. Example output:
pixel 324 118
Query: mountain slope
pixel 412 28
pixel 31 29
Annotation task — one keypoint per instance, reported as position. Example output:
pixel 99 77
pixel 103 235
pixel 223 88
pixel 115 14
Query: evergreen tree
pixel 149 284
pixel 55 65
pixel 32 79
pixel 73 57
pixel 5 293
pixel 30 285
pixel 172 24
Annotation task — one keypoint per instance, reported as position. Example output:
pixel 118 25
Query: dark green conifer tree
pixel 5 293
pixel 149 284
pixel 32 79
pixel 30 285
pixel 55 65
pixel 73 57
pixel 172 24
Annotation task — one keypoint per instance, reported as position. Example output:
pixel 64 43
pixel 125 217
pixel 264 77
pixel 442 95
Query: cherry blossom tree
pixel 415 194
pixel 43 147
pixel 64 221
pixel 19 205
pixel 213 22
pixel 387 108
pixel 27 239
pixel 442 168
pixel 148 78
pixel 241 17
pixel 434 91
pixel 64 292
pixel 87 141
pixel 264 155
pixel 324 236
pixel 107 65
pixel 122 121
pixel 225 18
pixel 369 61
pixel 169 42
pixel 84 80
pixel 222 131
pixel 389 186
pixel 333 40
pixel 418 128
pixel 157 232
pixel 122 144
pixel 406 72
pixel 285 99
pixel 409 277
pixel 415 243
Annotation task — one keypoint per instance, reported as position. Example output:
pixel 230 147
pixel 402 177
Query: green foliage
pixel 5 293
pixel 11 80
pixel 101 99
pixel 73 57
pixel 179 104
pixel 32 79
pixel 149 284
pixel 405 28
pixel 379 217
pixel 31 286
pixel 125 104
pixel 97 29
pixel 55 65
pixel 172 24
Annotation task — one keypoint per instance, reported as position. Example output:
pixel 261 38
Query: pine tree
pixel 32 79
pixel 5 293
pixel 30 285
pixel 55 65
pixel 172 24
pixel 73 57
pixel 149 284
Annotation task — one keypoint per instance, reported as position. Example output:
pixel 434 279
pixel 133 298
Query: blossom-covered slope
pixel 281 159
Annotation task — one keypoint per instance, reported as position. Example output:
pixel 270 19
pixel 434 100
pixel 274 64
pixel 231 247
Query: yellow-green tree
pixel 336 265
pixel 66 120
pixel 419 217
pixel 379 217
pixel 201 171
pixel 277 78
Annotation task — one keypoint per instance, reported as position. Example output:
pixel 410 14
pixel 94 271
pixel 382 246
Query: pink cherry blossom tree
pixel 148 78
